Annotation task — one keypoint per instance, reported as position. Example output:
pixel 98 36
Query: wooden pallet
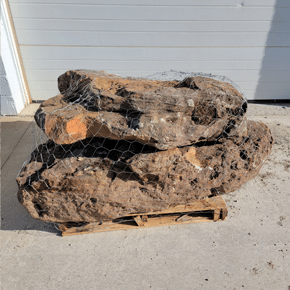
pixel 204 210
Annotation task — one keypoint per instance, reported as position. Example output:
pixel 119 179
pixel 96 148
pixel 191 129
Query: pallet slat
pixel 205 210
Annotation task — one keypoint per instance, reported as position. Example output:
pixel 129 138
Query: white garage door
pixel 245 40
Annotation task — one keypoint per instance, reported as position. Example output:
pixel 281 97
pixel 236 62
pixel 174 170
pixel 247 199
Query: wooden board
pixel 205 210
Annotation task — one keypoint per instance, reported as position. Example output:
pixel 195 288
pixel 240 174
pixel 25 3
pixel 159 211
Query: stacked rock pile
pixel 120 146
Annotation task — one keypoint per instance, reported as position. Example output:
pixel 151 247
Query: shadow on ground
pixel 17 142
pixel 279 103
pixel 274 73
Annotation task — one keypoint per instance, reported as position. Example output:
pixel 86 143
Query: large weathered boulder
pixel 99 179
pixel 163 114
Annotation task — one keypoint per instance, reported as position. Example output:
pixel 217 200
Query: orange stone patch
pixel 190 156
pixel 76 129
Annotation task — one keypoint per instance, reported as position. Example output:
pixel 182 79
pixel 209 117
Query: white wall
pixel 13 92
pixel 245 40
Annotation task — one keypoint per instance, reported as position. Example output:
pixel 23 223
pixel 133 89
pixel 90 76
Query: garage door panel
pixel 210 3
pixel 150 39
pixel 236 76
pixel 247 41
pixel 172 13
pixel 154 54
pixel 260 93
pixel 148 26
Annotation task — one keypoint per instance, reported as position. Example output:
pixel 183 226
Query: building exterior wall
pixel 13 91
pixel 245 40
pixel 7 104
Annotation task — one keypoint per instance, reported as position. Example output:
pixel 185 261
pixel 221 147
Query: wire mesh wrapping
pixel 117 146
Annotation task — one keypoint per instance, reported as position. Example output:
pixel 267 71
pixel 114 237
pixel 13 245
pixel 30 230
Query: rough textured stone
pixel 99 179
pixel 164 114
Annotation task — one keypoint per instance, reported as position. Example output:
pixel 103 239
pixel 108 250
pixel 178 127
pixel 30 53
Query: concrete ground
pixel 249 250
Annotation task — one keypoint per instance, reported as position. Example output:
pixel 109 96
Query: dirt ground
pixel 248 250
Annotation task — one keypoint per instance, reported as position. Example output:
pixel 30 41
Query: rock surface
pixel 99 179
pixel 163 114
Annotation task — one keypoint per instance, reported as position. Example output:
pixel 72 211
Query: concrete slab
pixel 267 110
pixel 21 131
pixel 29 110
pixel 249 250
pixel 13 129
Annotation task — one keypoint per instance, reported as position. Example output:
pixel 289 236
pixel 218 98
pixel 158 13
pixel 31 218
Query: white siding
pixel 247 41
pixel 212 3
pixel 13 91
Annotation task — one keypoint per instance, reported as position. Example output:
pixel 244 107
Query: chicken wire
pixel 102 151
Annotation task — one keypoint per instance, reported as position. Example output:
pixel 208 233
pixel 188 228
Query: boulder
pixel 100 179
pixel 163 114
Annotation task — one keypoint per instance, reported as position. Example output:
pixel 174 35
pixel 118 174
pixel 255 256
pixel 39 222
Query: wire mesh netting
pixel 108 146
